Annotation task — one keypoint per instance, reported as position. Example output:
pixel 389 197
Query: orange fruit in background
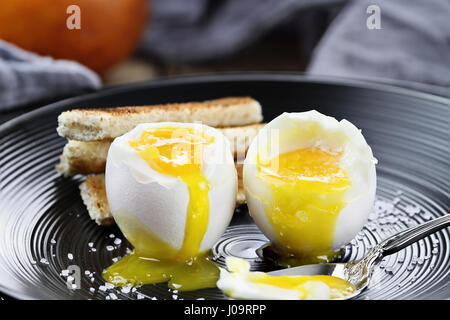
pixel 110 29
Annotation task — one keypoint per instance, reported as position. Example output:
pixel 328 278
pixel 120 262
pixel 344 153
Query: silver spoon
pixel 358 272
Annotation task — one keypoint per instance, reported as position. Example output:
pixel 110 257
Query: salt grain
pixel 113 296
pixel 125 290
pixel 109 285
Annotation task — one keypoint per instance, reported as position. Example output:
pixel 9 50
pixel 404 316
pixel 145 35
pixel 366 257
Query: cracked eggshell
pixel 145 200
pixel 357 160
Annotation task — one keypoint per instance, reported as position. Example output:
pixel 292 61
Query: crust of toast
pixel 93 193
pixel 109 123
pixel 88 157
pixel 83 157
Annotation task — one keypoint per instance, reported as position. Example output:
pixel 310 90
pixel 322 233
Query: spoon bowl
pixel 359 272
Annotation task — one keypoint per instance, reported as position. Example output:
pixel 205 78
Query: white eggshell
pixel 342 136
pixel 144 198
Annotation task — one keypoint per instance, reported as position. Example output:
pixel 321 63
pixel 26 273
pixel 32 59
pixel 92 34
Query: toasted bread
pixel 83 157
pixel 93 193
pixel 87 157
pixel 109 123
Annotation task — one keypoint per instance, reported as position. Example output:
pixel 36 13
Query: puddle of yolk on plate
pixel 308 189
pixel 176 152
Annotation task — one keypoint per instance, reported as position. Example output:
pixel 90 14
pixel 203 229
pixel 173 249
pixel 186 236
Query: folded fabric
pixel 198 30
pixel 413 43
pixel 26 77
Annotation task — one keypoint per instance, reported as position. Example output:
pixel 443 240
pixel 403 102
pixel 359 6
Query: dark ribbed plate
pixel 44 227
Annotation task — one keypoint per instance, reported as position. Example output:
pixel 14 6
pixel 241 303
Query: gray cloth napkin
pixel 26 77
pixel 412 45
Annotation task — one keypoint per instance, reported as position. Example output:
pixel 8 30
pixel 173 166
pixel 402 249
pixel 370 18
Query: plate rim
pixel 214 77
pixel 231 76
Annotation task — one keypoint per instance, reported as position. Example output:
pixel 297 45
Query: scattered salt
pixel 109 285
pixel 125 290
pixel 113 296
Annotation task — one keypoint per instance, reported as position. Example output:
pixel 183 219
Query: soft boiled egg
pixel 239 283
pixel 310 185
pixel 171 188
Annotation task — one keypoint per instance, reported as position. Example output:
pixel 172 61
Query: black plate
pixel 43 220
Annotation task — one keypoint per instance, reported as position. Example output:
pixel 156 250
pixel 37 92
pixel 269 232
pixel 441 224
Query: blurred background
pixel 54 49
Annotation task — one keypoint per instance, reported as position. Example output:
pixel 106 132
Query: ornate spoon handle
pixel 409 236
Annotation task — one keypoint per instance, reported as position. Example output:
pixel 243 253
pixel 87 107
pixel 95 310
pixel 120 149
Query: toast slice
pixel 87 157
pixel 109 123
pixel 93 193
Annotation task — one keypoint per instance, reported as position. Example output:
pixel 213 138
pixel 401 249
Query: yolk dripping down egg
pixel 310 185
pixel 240 283
pixel 162 181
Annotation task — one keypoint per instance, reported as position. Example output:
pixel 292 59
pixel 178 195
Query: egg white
pixel 238 285
pixel 288 132
pixel 143 198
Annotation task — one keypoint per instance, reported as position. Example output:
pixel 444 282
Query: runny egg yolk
pixel 176 152
pixel 339 288
pixel 308 189
pixel 307 287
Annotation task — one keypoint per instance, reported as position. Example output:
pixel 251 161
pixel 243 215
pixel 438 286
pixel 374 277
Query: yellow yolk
pixel 339 288
pixel 308 189
pixel 175 152
pixel 304 285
